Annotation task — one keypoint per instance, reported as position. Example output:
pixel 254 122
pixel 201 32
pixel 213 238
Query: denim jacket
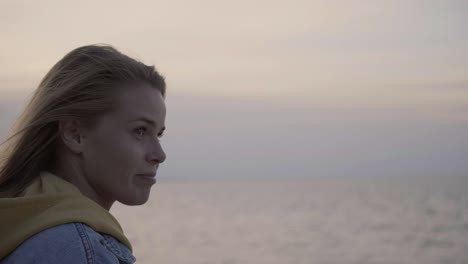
pixel 70 243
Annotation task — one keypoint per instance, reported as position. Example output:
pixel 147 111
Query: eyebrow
pixel 147 120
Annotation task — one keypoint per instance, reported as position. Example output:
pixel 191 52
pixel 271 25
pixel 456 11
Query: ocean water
pixel 340 221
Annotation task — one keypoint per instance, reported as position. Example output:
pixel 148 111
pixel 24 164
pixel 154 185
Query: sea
pixel 302 221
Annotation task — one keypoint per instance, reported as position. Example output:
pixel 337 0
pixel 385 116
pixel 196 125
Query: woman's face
pixel 122 152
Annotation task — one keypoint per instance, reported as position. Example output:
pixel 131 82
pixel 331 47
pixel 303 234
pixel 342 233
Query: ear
pixel 71 134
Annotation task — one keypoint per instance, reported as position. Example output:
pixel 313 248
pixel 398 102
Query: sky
pixel 273 89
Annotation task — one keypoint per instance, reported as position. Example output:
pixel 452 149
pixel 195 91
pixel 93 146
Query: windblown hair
pixel 81 86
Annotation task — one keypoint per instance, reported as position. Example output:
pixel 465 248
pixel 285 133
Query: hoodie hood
pixel 50 201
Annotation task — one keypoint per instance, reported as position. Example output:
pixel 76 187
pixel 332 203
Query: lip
pixel 150 177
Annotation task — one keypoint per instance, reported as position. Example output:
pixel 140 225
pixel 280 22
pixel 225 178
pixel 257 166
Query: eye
pixel 140 132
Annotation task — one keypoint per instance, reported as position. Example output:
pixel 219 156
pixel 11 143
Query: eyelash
pixel 160 135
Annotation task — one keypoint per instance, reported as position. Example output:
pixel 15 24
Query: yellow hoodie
pixel 50 201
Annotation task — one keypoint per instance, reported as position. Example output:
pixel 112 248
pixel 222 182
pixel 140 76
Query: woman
pixel 88 137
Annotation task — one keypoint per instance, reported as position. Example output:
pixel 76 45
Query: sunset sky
pixel 274 88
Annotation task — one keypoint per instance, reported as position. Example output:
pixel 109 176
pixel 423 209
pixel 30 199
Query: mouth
pixel 151 174
pixel 148 176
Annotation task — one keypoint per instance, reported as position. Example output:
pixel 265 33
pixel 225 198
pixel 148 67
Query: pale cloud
pixel 317 51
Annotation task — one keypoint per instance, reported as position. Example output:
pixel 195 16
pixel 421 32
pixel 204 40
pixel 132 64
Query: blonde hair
pixel 80 86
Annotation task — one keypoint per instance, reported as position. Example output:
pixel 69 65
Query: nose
pixel 156 154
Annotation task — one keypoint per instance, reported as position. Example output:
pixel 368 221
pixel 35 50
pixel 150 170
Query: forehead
pixel 141 100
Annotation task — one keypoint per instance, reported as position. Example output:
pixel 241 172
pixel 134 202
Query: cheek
pixel 115 154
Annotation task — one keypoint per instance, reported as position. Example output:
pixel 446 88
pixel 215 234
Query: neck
pixel 69 168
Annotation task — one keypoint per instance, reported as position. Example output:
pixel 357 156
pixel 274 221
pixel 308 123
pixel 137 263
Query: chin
pixel 135 200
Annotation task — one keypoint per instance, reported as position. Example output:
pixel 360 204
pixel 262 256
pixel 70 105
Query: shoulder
pixel 70 243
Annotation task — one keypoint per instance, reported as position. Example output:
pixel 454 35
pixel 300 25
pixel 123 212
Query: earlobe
pixel 71 135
